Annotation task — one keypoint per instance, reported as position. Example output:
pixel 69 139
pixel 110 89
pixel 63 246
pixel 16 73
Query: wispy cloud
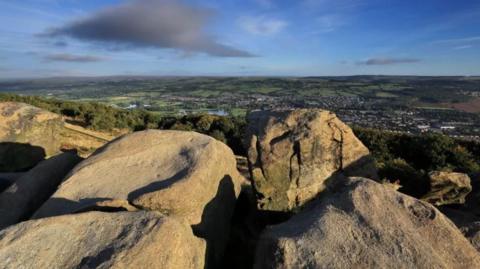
pixel 338 5
pixel 64 57
pixel 457 43
pixel 329 23
pixel 149 23
pixel 463 47
pixel 458 40
pixel 25 8
pixel 262 25
pixel 388 61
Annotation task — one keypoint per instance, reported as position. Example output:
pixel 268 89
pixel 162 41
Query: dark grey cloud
pixel 150 23
pixel 65 57
pixel 388 61
pixel 60 44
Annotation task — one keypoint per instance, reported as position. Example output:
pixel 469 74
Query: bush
pixel 409 158
pixel 413 182
pixel 423 152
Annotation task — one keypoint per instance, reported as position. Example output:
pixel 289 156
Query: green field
pixel 173 95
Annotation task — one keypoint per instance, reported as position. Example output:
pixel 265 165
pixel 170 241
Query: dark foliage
pixel 408 158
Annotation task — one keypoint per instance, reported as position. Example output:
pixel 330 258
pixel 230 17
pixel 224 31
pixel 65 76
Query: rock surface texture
pixel 30 191
pixel 447 188
pixel 293 153
pixel 101 240
pixel 472 233
pixel 22 123
pixel 359 223
pixel 187 175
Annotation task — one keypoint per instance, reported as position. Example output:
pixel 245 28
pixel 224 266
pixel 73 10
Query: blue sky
pixel 44 38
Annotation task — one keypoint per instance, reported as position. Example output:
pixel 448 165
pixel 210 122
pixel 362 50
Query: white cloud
pixel 458 40
pixel 262 25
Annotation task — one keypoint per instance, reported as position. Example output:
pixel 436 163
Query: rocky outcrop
pixel 22 123
pixel 472 233
pixel 30 191
pixel 447 188
pixel 102 240
pixel 359 223
pixel 187 175
pixel 293 153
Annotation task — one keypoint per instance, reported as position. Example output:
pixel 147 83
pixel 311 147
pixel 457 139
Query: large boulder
pixel 359 223
pixel 447 188
pixel 30 191
pixel 293 153
pixel 102 240
pixel 27 135
pixel 183 174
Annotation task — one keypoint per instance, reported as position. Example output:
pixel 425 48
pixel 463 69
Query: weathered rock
pixel 359 223
pixel 101 240
pixel 27 135
pixel 22 123
pixel 242 166
pixel 447 188
pixel 30 191
pixel 183 174
pixel 293 153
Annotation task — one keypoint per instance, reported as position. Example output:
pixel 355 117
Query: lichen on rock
pixel 292 153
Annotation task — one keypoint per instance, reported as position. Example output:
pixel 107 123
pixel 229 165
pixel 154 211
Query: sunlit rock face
pixel 102 240
pixel 358 223
pixel 292 153
pixel 188 175
pixel 27 135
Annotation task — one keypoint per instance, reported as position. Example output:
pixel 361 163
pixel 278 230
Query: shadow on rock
pixel 62 206
pixel 18 157
pixel 215 224
pixel 158 185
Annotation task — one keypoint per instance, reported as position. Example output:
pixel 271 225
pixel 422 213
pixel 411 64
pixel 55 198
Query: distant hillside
pixel 172 94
